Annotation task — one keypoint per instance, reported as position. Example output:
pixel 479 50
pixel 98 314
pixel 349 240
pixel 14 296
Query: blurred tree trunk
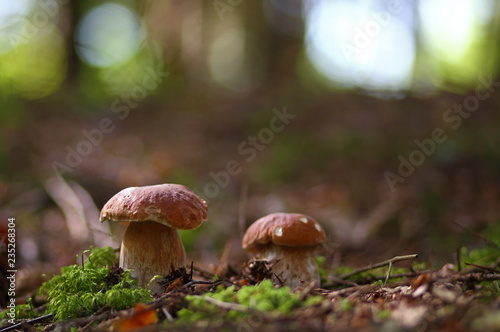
pixel 281 52
pixel 70 15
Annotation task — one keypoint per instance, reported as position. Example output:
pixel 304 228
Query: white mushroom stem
pixel 295 264
pixel 149 249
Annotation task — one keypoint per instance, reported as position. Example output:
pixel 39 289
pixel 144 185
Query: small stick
pixel 388 273
pixel 159 301
pixel 29 322
pixel 227 305
pixel 282 284
pixel 332 281
pixel 477 277
pixel 167 314
pixel 384 263
pixel 361 289
pixel 485 239
pixel 307 290
pixel 105 318
pixel 402 275
pixel 200 282
pixel 484 267
pixel 203 273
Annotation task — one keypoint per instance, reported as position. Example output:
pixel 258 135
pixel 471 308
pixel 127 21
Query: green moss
pixel 81 290
pixel 263 299
pixel 188 315
pixel 488 253
pixel 312 301
pixel 323 273
pixel 343 270
pixel 379 272
pixel 22 311
pixel 419 266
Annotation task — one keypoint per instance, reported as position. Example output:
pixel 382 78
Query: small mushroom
pixel 290 237
pixel 151 244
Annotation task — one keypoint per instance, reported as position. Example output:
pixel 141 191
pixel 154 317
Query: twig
pixel 485 239
pixel 156 303
pixel 202 282
pixel 476 277
pixel 377 265
pixel 282 283
pixel 29 322
pixel 362 289
pixel 167 314
pixel 213 283
pixel 203 273
pixel 489 269
pixel 307 290
pixel 459 263
pixel 337 281
pixel 388 273
pixel 402 275
pixel 104 317
pixel 227 305
pixel 332 281
pixel 376 278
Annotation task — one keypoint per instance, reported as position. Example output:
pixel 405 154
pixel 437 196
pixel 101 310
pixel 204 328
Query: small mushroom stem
pixel 149 249
pixel 294 265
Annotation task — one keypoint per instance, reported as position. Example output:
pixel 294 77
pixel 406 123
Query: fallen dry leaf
pixel 143 315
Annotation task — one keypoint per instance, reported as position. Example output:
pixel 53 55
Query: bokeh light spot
pixel 109 34
pixel 448 26
pixel 13 19
pixel 353 44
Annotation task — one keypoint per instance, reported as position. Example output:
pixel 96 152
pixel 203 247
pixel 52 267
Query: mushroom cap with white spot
pixel 172 205
pixel 284 229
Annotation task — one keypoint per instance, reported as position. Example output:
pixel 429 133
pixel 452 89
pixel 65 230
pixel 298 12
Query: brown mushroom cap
pixel 172 205
pixel 284 229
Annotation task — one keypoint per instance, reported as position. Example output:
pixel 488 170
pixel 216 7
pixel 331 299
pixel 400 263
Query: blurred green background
pixel 309 106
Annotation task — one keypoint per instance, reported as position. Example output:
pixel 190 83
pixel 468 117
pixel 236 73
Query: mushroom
pixel 292 239
pixel 151 244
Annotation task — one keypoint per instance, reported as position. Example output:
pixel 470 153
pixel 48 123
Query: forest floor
pixel 379 297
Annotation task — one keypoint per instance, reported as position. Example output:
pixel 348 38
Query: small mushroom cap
pixel 284 229
pixel 172 205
